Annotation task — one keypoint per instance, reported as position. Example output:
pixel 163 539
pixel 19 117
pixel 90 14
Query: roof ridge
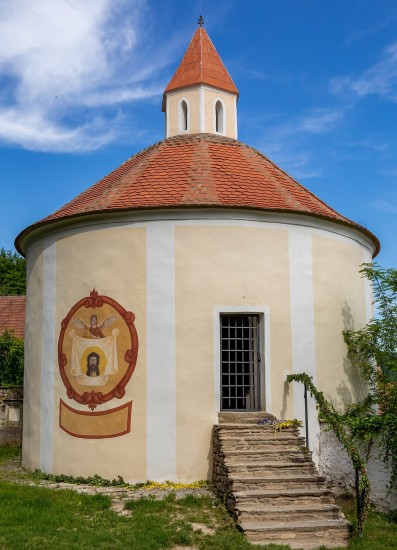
pixel 198 184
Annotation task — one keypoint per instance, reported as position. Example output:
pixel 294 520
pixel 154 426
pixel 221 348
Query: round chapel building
pixel 189 281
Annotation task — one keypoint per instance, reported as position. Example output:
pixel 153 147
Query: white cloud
pixel 312 121
pixel 380 79
pixel 288 143
pixel 31 130
pixel 58 57
pixel 386 206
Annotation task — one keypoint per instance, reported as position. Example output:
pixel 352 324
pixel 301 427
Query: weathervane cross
pixel 201 21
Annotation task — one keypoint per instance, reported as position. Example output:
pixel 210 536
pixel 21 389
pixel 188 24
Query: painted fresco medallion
pixel 97 350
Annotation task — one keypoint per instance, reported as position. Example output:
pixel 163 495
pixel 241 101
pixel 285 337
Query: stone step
pixel 277 483
pixel 244 417
pixel 284 497
pixel 262 435
pixel 270 469
pixel 302 535
pixel 270 484
pixel 294 512
pixel 254 429
pixel 265 446
pixel 249 457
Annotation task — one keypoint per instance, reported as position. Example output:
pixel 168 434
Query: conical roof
pixel 192 171
pixel 201 64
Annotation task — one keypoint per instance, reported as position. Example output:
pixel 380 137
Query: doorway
pixel 240 362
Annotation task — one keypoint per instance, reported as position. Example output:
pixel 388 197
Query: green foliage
pixel 12 273
pixel 98 481
pixel 95 480
pixel 9 453
pixel 380 532
pixel 336 422
pixel 374 350
pixel 39 518
pixel 11 359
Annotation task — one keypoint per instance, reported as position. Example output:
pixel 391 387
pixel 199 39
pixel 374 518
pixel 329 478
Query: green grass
pixel 380 530
pixel 37 517
pixel 7 453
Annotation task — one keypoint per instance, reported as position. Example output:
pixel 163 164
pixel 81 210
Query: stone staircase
pixel 269 483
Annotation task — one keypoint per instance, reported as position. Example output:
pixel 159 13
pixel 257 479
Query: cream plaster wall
pixel 112 261
pixel 228 266
pixel 339 304
pixel 229 100
pixel 33 358
pixel 201 101
pixel 193 97
pixel 195 268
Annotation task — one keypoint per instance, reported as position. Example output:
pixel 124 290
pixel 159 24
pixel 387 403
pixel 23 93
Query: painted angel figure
pixel 94 331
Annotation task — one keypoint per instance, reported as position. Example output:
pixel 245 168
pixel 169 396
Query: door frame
pixel 264 334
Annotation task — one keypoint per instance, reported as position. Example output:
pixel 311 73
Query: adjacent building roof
pixel 198 170
pixel 201 64
pixel 12 314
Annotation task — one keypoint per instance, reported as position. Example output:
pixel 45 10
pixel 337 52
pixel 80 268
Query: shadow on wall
pixel 357 388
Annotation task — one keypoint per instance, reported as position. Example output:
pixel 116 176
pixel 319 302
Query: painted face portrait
pixel 92 364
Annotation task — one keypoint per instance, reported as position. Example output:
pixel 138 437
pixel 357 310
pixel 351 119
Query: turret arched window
pixel 219 117
pixel 183 116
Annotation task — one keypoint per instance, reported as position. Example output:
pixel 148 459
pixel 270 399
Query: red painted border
pixel 94 398
pixel 98 413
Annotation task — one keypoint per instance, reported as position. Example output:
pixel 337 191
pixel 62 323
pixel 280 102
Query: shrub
pixel 11 359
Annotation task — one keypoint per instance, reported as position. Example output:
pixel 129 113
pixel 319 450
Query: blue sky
pixel 81 85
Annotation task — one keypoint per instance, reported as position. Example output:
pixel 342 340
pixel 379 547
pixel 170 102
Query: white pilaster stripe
pixel 49 355
pixel 161 365
pixel 202 110
pixel 302 325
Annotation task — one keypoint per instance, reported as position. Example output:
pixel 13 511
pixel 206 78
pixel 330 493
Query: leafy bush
pixel 11 359
pixel 374 350
pixel 12 273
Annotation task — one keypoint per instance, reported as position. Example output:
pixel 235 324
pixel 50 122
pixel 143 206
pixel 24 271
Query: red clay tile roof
pixel 12 314
pixel 198 170
pixel 201 64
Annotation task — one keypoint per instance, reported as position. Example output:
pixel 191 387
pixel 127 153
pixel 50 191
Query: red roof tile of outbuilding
pixel 12 314
pixel 195 171
pixel 201 64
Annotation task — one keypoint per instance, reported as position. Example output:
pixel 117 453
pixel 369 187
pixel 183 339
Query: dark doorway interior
pixel 240 362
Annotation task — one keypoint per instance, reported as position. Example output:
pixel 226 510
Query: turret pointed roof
pixel 201 64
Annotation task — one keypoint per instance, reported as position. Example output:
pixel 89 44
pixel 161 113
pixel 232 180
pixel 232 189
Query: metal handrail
pixel 306 418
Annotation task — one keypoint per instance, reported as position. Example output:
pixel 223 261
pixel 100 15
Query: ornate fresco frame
pixel 94 398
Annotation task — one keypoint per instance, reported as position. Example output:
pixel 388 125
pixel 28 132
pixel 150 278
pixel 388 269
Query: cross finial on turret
pixel 201 21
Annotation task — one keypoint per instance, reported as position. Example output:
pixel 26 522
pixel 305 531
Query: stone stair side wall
pixel 220 478
pixel 269 484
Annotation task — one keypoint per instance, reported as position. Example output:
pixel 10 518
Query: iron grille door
pixel 240 362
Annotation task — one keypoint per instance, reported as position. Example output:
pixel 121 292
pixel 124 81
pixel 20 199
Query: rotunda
pixel 190 280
